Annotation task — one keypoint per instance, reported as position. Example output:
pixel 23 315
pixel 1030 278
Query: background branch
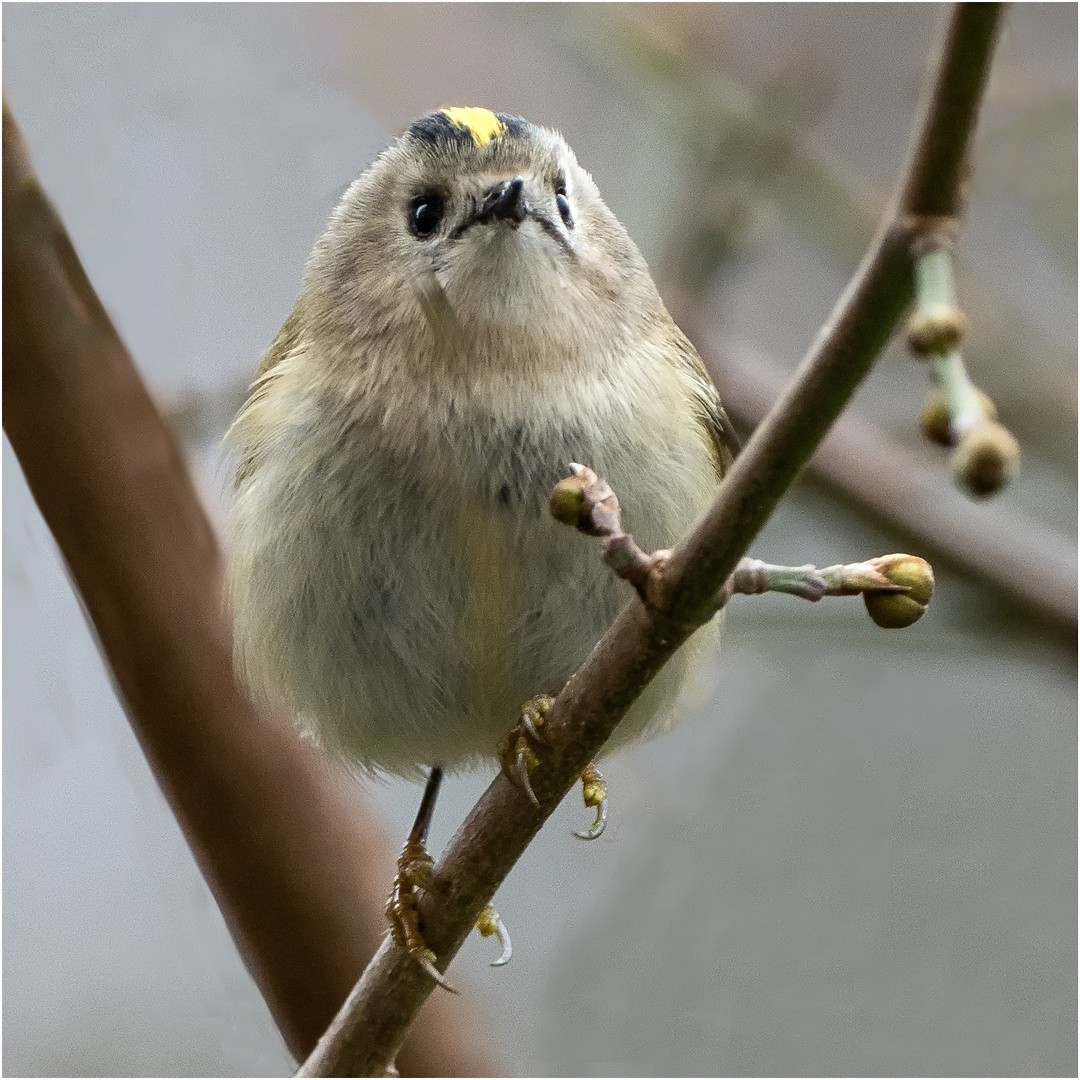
pixel 288 846
pixel 365 1035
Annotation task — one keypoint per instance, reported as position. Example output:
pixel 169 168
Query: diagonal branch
pixel 364 1037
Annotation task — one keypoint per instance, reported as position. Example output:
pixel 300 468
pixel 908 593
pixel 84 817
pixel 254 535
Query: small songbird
pixel 473 319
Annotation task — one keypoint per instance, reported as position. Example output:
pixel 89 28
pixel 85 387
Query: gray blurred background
pixel 857 853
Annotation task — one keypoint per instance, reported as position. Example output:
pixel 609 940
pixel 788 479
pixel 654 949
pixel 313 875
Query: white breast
pixel 406 602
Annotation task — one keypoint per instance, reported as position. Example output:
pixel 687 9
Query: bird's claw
pixel 594 793
pixel 524 760
pixel 516 747
pixel 490 924
pixel 532 716
pixel 426 959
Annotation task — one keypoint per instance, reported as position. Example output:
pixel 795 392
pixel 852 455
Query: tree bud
pixel 935 421
pixel 894 611
pixel 568 499
pixel 986 459
pixel 935 330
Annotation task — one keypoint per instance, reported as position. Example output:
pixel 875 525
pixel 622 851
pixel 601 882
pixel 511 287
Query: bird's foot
pixel 414 867
pixel 518 754
pixel 594 792
pixel 517 748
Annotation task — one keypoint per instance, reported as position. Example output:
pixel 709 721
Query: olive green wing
pixel 285 342
pixel 710 409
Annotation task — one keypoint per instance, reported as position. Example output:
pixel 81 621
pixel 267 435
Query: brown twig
pixel 364 1037
pixel 586 502
pixel 286 843
pixel 896 588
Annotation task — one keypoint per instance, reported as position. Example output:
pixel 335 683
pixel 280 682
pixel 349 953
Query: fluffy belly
pixel 424 652
pixel 406 629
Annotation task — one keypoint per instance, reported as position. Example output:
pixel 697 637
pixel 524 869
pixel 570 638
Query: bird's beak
pixel 504 202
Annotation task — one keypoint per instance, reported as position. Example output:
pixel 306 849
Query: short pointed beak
pixel 504 202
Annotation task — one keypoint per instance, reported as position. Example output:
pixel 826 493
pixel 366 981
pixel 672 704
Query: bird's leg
pixel 518 754
pixel 414 872
pixel 414 868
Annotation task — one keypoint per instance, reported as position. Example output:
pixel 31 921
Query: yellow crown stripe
pixel 482 124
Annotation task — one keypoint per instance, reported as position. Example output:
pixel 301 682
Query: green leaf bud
pixel 986 458
pixel 568 500
pixel 894 611
pixel 935 420
pixel 935 330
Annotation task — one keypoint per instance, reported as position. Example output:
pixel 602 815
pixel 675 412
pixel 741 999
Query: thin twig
pixel 364 1037
pixel 287 844
pixel 896 588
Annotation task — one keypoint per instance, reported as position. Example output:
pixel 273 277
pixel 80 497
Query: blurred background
pixel 857 853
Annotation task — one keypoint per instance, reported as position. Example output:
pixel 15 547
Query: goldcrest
pixel 473 319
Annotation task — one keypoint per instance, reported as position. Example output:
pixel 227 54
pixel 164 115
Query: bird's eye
pixel 425 213
pixel 563 203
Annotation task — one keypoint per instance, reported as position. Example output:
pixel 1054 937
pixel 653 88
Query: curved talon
pixel 516 747
pixel 597 827
pixel 426 960
pixel 532 716
pixel 504 940
pixel 521 771
pixel 528 724
pixel 490 924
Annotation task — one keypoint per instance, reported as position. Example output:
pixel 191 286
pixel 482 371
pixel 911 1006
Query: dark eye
pixel 563 203
pixel 425 213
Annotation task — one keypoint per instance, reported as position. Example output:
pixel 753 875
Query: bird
pixel 473 319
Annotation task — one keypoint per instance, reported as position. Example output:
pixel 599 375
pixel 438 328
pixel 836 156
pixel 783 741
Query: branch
pixel 365 1035
pixel 287 845
pixel 896 588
